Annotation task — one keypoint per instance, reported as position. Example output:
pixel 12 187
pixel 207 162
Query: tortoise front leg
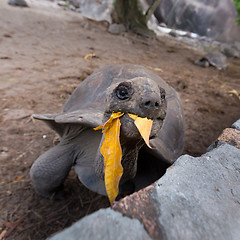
pixel 50 170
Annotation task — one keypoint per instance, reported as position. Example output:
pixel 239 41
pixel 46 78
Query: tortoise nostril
pixel 151 104
pixel 147 104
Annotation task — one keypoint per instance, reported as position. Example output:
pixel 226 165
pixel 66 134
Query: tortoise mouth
pixel 130 133
pixel 161 116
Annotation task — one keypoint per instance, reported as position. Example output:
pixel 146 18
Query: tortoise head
pixel 139 96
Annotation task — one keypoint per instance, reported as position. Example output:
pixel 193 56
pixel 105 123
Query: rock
pixel 96 10
pixel 230 136
pixel 173 33
pixel 144 211
pixel 75 3
pixel 61 3
pixel 4 153
pixel 194 199
pixel 116 28
pixel 19 3
pixel 71 7
pixel 104 224
pixel 3 156
pixel 4 149
pixel 197 198
pixel 236 125
pixel 212 18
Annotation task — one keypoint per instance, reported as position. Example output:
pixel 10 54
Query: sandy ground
pixel 41 62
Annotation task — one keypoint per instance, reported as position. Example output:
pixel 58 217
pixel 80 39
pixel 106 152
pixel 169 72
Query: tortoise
pixel 215 59
pixel 122 88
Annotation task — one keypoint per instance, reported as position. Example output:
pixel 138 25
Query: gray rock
pixel 75 3
pixel 4 149
pixel 236 125
pixel 211 18
pixel 3 156
pixel 61 3
pixel 214 145
pixel 173 33
pixel 19 3
pixel 99 10
pixel 104 224
pixel 198 198
pixel 116 28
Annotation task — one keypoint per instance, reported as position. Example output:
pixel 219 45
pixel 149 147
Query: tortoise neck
pixel 129 160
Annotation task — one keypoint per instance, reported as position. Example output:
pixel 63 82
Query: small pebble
pixel 3 156
pixel 61 3
pixel 116 28
pixel 4 149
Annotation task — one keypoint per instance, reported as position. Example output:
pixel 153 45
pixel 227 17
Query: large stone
pixel 104 224
pixel 197 198
pixel 96 10
pixel 229 135
pixel 212 18
pixel 140 206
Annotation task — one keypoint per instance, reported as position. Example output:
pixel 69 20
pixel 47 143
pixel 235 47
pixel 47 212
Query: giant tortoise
pixel 215 59
pixel 125 89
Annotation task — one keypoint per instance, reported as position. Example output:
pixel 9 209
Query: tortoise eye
pixel 123 91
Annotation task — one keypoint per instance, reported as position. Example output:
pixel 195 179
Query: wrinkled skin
pixel 91 105
pixel 143 98
pixel 143 95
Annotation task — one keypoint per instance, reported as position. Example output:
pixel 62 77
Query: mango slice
pixel 144 126
pixel 112 153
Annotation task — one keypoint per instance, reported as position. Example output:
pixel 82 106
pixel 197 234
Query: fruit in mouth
pixel 112 152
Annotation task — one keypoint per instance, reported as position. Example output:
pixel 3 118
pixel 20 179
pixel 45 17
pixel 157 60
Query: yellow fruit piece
pixel 112 153
pixel 144 126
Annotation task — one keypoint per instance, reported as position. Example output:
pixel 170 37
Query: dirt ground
pixel 41 62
